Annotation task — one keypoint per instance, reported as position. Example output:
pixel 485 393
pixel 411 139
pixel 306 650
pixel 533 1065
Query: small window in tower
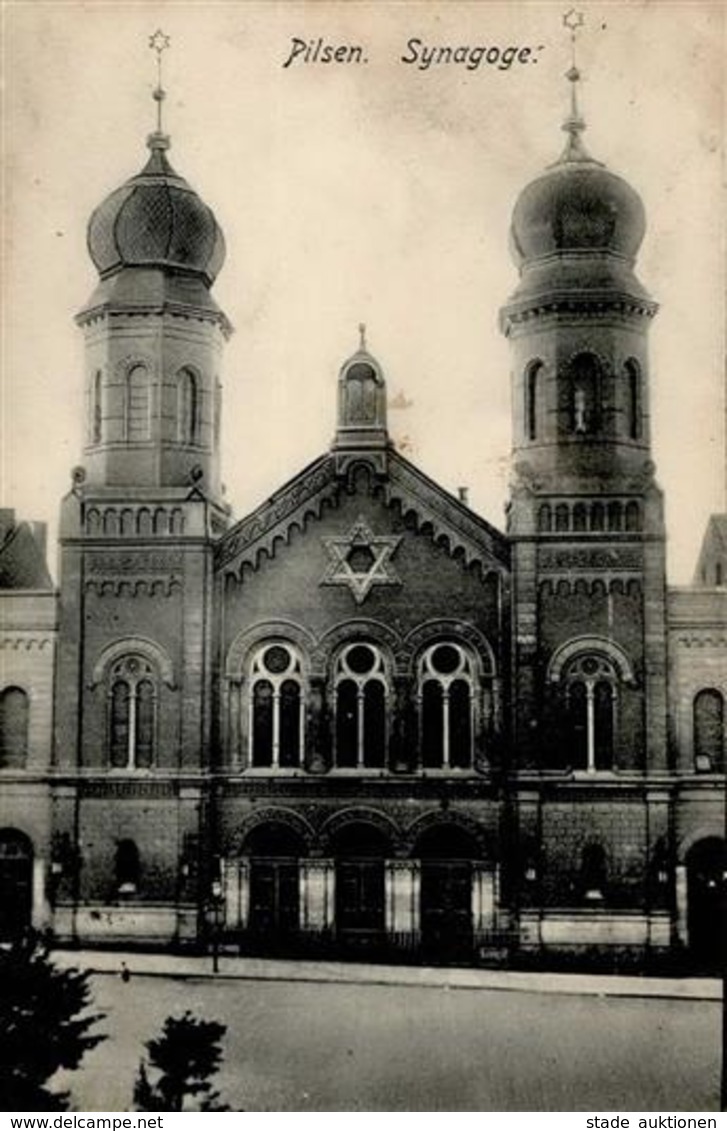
pixel 633 392
pixel 585 394
pixel 187 407
pixel 96 409
pixel 137 405
pixel 532 391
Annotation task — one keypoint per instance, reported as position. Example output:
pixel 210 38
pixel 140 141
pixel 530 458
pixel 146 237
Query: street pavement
pixel 348 1037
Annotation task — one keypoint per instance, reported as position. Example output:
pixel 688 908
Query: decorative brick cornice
pixel 302 498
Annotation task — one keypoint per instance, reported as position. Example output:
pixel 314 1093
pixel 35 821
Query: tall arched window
pixel 446 706
pixel 13 727
pixel 590 690
pixel 137 404
pixel 585 394
pixel 276 706
pixel 133 693
pixel 188 407
pixel 361 686
pixel 96 408
pixel 708 712
pixel 633 394
pixel 532 391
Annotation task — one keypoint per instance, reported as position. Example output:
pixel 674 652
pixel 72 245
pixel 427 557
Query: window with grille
pixel 446 707
pixel 133 692
pixel 276 706
pixel 361 696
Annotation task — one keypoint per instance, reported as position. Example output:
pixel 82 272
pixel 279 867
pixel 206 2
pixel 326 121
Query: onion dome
pixel 577 227
pixel 156 220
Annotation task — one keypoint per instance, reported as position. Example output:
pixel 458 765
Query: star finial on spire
pixel 574 124
pixel 159 42
pixel 362 336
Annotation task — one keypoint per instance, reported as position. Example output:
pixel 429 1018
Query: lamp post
pixel 216 908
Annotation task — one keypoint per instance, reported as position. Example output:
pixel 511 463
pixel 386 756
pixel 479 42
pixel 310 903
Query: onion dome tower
pixel 585 513
pixel 154 333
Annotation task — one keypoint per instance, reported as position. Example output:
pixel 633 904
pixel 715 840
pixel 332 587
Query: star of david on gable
pixel 361 559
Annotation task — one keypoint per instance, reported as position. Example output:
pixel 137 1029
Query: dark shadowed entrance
pixel 360 850
pixel 16 882
pixel 447 854
pixel 274 851
pixel 706 872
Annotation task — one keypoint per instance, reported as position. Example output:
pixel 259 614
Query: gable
pixel 427 506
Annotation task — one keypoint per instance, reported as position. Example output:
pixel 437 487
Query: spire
pixel 574 125
pixel 158 141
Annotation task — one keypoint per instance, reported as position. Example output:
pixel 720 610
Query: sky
pixel 377 192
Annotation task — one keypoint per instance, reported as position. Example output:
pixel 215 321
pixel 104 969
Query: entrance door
pixel 447 854
pixel 360 852
pixel 273 897
pixel 16 883
pixel 706 895
pixel 274 917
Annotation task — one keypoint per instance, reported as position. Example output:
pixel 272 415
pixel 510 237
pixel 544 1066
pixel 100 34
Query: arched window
pixel 545 518
pixel 708 713
pixel 446 707
pixel 633 393
pixel 590 690
pixel 137 404
pixel 580 517
pixel 585 394
pixel 361 687
pixel 133 692
pixel 96 408
pixel 532 391
pixel 13 727
pixel 187 407
pixel 562 517
pixel 597 516
pixel 632 516
pixel 615 516
pixel 128 869
pixel 276 706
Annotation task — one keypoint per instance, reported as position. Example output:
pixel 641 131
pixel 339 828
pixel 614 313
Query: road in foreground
pixel 295 1046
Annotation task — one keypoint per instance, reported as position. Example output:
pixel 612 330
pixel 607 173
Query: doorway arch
pixel 274 850
pixel 16 882
pixel 447 853
pixel 360 850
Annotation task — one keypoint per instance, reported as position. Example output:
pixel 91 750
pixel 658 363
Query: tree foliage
pixel 44 1025
pixel 179 1066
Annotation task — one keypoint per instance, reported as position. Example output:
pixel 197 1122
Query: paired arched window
pixel 446 697
pixel 188 407
pixel 584 394
pixel 14 715
pixel 360 688
pixel 590 695
pixel 709 726
pixel 133 699
pixel 633 398
pixel 532 393
pixel 276 706
pixel 137 403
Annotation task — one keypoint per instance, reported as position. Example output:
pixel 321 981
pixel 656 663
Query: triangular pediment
pixel 301 500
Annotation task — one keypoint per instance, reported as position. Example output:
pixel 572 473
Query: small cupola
pixel 361 401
